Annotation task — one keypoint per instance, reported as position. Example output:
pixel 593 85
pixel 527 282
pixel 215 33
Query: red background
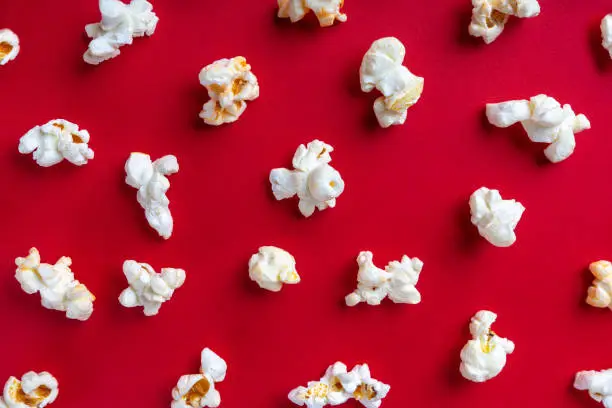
pixel 407 193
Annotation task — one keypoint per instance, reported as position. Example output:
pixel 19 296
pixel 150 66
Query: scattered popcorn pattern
pixel 230 83
pixel 152 184
pixel 35 390
pixel 382 69
pixel 120 24
pixel 544 120
pixel 198 390
pixel 490 16
pixel 495 218
pixel 271 267
pixel 484 357
pixel 56 284
pixel 9 46
pixel 327 11
pixel 600 294
pixel 397 281
pixel 606 33
pixel 597 383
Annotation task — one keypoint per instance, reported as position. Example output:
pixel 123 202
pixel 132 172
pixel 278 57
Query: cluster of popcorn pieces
pixel 490 16
pixel 597 383
pixel 338 386
pixel 198 390
pixel 34 390
pixel 327 11
pixel 600 293
pixel 9 46
pixel 494 217
pixel 56 284
pixel 270 267
pixel 606 33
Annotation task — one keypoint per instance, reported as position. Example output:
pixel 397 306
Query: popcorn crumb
pixel 606 33
pixel 597 383
pixel 35 390
pixel 9 46
pixel 271 267
pixel 495 218
pixel 198 390
pixel 490 16
pixel 327 11
pixel 600 293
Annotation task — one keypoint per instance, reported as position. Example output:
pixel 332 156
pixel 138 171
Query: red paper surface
pixel 407 190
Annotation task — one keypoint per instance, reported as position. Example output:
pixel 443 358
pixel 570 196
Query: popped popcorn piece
pixel 483 357
pixel 9 46
pixel 327 11
pixel 597 383
pixel 600 294
pixel 119 25
pixel 230 83
pixel 56 284
pixel 316 183
pixel 198 390
pixel 55 141
pixel 397 281
pixel 606 33
pixel 35 390
pixel 271 267
pixel 337 386
pixel 152 184
pixel 490 16
pixel 495 218
pixel 382 69
pixel 544 120
pixel 149 288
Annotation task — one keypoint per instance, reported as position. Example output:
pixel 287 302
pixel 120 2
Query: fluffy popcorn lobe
pixel 35 390
pixel 382 69
pixel 600 293
pixel 597 383
pixel 9 46
pixel 490 16
pixel 313 180
pixel 494 217
pixel 397 281
pixel 606 33
pixel 230 83
pixel 270 267
pixel 327 11
pixel 198 390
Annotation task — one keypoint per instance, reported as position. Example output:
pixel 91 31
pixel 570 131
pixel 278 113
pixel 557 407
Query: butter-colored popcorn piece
pixel 382 69
pixel 600 293
pixel 149 288
pixel 35 390
pixel 314 181
pixel 230 83
pixel 55 141
pixel 484 357
pixel 327 11
pixel 597 383
pixel 495 218
pixel 56 284
pixel 119 25
pixel 606 33
pixel 490 16
pixel 397 281
pixel 270 267
pixel 9 46
pixel 544 120
pixel 198 390
pixel 152 184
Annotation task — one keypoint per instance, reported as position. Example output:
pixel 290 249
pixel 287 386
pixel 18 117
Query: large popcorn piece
pixel 483 357
pixel 600 293
pixel 56 284
pixel 397 281
pixel 490 16
pixel 337 386
pixel 55 141
pixel 327 11
pixel 271 267
pixel 120 24
pixel 314 181
pixel 382 69
pixel 495 218
pixel 597 383
pixel 149 288
pixel 152 184
pixel 198 390
pixel 544 120
pixel 230 83
pixel 35 390
pixel 9 46
pixel 606 33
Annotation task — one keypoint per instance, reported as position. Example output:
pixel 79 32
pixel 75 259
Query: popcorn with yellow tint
pixel 35 390
pixel 495 218
pixel 9 46
pixel 270 267
pixel 397 281
pixel 490 16
pixel 606 33
pixel 198 390
pixel 327 11
pixel 230 83
pixel 484 357
pixel 597 383
pixel 382 69
pixel 313 180
pixel 600 293
pixel 56 284
pixel 55 141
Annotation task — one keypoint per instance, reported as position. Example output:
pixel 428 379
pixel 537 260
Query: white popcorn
pixel 149 288
pixel 327 11
pixel 198 390
pixel 315 182
pixel 271 267
pixel 544 120
pixel 119 25
pixel 337 386
pixel 382 69
pixel 55 141
pixel 397 281
pixel 495 218
pixel 230 83
pixel 483 357
pixel 598 383
pixel 9 46
pixel 56 284
pixel 600 293
pixel 606 33
pixel 152 184
pixel 35 390
pixel 490 16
